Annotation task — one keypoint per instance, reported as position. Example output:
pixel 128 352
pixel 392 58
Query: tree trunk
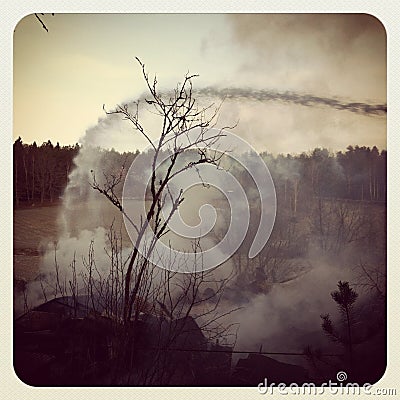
pixel 26 177
pixel 296 193
pixel 33 178
pixel 16 179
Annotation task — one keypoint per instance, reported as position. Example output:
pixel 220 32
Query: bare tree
pixel 152 317
pixel 146 288
pixel 180 114
pixel 371 277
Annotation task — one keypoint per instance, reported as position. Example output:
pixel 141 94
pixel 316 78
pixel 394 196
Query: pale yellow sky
pixel 63 77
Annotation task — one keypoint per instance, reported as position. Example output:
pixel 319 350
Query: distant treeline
pixel 359 173
pixel 41 172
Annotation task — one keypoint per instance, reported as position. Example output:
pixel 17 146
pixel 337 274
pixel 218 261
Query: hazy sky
pixel 63 77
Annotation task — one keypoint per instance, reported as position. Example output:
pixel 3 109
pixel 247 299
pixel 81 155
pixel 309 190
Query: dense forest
pixel 41 172
pixel 359 173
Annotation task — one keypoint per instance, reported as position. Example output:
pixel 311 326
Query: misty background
pixel 300 89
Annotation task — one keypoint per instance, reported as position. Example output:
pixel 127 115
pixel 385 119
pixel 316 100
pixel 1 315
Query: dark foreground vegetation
pixel 66 342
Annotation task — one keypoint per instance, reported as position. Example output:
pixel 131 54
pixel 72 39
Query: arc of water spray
pixel 309 100
pixel 290 97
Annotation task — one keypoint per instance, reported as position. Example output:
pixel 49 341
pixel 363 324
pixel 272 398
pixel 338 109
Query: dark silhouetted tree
pixel 345 298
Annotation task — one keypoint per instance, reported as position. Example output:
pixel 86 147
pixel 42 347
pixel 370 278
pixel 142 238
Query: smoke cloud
pixel 324 54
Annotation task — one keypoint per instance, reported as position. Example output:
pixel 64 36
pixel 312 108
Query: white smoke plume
pixel 280 319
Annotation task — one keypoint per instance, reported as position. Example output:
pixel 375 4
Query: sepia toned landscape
pixel 214 230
